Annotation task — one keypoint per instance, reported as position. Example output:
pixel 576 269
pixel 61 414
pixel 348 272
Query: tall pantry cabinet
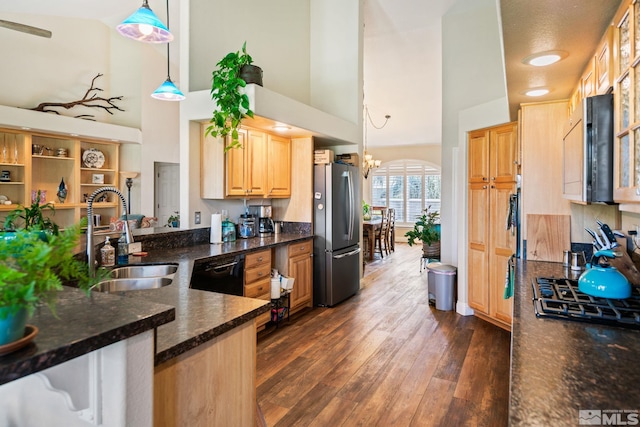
pixel 492 171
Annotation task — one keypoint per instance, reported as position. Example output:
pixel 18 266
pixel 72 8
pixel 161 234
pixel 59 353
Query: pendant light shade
pixel 144 26
pixel 168 91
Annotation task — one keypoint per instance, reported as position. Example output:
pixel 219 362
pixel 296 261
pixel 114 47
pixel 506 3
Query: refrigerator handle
pixel 353 252
pixel 351 205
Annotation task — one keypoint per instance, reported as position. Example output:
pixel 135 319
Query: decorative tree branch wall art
pixel 90 99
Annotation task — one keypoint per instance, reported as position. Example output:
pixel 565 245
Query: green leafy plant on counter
pixel 32 269
pixel 232 103
pixel 174 220
pixel 426 229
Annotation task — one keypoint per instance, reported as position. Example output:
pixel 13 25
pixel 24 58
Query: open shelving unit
pixel 30 171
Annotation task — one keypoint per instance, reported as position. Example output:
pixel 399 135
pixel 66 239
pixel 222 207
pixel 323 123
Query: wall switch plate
pixel 135 247
pixel 197 218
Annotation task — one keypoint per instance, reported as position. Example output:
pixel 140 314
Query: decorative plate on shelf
pixel 93 158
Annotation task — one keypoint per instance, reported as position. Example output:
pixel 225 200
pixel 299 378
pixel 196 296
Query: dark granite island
pixel 561 367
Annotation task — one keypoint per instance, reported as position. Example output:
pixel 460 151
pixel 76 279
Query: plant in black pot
pixel 228 81
pixel 427 230
pixel 32 271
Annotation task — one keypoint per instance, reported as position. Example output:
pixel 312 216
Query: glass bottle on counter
pixel 123 251
pixel 228 228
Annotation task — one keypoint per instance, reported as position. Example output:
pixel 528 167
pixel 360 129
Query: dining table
pixel 369 228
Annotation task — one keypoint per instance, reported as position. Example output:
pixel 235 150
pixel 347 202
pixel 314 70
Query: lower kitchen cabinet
pixel 213 384
pixel 295 261
pixel 257 280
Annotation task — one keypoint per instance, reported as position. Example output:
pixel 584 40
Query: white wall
pixel 471 53
pixel 277 36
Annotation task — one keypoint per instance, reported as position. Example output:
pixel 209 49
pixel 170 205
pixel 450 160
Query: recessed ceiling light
pixel 281 128
pixel 543 59
pixel 537 92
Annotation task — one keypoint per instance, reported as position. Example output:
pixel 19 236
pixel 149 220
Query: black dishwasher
pixel 224 274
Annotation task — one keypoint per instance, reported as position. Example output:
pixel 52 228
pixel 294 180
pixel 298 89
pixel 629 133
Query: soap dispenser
pixel 108 254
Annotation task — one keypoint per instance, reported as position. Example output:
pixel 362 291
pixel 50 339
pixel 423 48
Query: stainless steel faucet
pixel 91 254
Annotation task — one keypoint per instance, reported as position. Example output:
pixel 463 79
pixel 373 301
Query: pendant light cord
pixel 168 63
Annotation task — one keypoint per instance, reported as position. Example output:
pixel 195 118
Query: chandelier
pixel 369 162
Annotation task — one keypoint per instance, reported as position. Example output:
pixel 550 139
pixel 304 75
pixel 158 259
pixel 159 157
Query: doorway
pixel 167 190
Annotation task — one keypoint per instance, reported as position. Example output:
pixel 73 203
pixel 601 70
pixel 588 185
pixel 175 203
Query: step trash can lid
pixel 445 269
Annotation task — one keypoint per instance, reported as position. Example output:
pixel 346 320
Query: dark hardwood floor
pixel 385 358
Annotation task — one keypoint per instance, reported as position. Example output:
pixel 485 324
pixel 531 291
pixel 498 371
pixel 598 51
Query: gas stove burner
pixel 560 298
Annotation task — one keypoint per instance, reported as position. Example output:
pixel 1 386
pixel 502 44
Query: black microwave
pixel 588 152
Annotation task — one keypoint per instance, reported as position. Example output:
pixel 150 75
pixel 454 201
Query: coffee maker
pixel 265 221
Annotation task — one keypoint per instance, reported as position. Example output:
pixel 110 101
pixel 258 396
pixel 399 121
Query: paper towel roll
pixel 216 229
pixel 275 288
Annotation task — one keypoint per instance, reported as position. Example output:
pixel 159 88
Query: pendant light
pixel 368 162
pixel 144 26
pixel 168 91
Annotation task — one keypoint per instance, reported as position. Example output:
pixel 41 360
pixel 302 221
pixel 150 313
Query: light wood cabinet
pixel 294 260
pixel 279 167
pixel 588 80
pixel 261 168
pixel 604 63
pixel 31 170
pixel 213 384
pixel 490 244
pixel 257 280
pixel 246 167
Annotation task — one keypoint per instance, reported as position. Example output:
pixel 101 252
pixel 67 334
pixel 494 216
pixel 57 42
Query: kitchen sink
pixel 132 284
pixel 137 277
pixel 141 271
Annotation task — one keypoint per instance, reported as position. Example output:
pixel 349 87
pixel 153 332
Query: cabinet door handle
pixel 260 288
pixel 493 186
pixel 493 178
pixel 484 187
pixel 260 274
pixel 260 259
pixel 484 178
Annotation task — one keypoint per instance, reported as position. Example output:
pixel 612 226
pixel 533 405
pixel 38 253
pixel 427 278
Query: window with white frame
pixel 408 186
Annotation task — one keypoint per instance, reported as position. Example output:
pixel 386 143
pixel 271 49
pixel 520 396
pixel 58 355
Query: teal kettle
pixel 602 280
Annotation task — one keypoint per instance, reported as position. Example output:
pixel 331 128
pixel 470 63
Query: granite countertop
pixel 202 315
pixel 559 367
pixel 84 324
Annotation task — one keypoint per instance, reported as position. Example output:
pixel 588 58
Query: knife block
pixel 626 265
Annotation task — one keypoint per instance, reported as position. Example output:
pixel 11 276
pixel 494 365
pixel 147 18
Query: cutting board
pixel 548 236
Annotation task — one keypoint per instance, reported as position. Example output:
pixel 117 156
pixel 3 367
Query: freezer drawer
pixel 340 278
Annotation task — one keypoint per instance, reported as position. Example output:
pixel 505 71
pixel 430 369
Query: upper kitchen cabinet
pixel 493 154
pixel 279 167
pixel 246 166
pixel 627 105
pixel 260 168
pixel 604 63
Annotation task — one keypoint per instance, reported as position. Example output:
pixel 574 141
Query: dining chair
pixel 380 236
pixel 390 242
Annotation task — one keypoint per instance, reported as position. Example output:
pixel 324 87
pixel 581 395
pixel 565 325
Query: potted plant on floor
pixel 427 230
pixel 228 81
pixel 32 271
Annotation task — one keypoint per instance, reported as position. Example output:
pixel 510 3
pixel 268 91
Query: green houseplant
pixel 174 220
pixel 427 230
pixel 227 90
pixel 32 270
pixel 32 217
pixel 366 211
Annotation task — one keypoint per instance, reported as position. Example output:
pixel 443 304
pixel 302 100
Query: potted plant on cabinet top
pixel 427 230
pixel 32 270
pixel 228 81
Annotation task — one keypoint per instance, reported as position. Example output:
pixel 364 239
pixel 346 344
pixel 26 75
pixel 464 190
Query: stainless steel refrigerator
pixel 336 250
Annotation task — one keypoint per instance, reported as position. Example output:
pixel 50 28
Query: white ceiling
pixel 402 52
